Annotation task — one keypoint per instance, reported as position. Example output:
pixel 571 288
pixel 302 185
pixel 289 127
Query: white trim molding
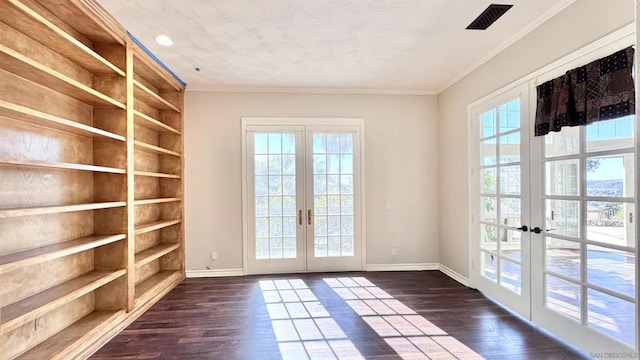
pixel 454 275
pixel 298 90
pixel 402 267
pixel 214 273
pixel 210 273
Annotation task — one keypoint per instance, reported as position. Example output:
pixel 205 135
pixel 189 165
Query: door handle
pixel 537 230
pixel 309 215
pixel 523 228
pixel 299 217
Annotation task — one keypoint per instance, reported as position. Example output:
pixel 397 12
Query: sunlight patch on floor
pixel 410 335
pixel 303 327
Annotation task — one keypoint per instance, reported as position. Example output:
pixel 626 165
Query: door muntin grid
pixel 500 195
pixel 589 202
pixel 333 194
pixel 275 195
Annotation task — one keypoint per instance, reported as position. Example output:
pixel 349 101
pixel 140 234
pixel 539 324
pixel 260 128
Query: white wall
pixel 576 26
pixel 401 167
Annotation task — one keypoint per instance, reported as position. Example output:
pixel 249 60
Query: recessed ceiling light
pixel 164 40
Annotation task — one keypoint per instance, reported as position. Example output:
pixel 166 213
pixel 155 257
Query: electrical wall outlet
pixel 394 251
pixel 214 256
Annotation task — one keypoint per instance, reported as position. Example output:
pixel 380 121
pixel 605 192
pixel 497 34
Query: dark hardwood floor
pixel 372 315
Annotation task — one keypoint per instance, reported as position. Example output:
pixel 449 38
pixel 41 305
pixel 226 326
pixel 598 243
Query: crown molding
pixel 303 90
pixel 512 40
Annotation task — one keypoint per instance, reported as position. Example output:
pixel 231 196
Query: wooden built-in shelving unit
pixel 91 212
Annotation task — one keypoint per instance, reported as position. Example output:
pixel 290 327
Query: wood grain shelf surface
pixel 19 313
pixel 64 344
pixel 156 225
pixel 158 175
pixel 44 31
pixel 153 72
pixel 154 285
pixel 30 69
pixel 46 253
pixel 147 256
pixel 149 97
pixel 36 117
pixel 59 165
pixel 53 209
pixel 156 201
pixel 147 121
pixel 139 145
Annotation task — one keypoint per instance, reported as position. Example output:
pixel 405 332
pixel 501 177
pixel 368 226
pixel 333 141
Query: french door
pixel 302 197
pixel 554 228
pixel 501 248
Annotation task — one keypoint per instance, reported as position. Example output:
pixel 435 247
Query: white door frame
pixel 301 121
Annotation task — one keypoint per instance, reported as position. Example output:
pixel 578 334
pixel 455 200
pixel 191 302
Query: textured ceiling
pixel 402 46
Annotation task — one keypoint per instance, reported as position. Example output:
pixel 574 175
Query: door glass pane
pixel 488 152
pixel 488 121
pixel 489 181
pixel 611 269
pixel 489 266
pixel 562 177
pixel 610 175
pixel 510 180
pixel 510 275
pixel 510 212
pixel 511 244
pixel 563 296
pixel 612 316
pixel 565 142
pixel 510 148
pixel 563 257
pixel 489 237
pixel 563 217
pixel 333 191
pixel 610 134
pixel 275 196
pixel 510 116
pixel 488 209
pixel 611 223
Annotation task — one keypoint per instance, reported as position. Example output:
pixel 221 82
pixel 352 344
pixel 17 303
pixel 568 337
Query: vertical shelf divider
pixel 131 238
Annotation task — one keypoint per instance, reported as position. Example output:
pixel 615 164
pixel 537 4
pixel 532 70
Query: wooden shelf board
pixel 147 121
pixel 152 72
pixel 156 201
pixel 59 165
pixel 156 225
pixel 149 97
pixel 63 344
pixel 36 117
pixel 44 31
pixel 159 175
pixel 46 253
pixel 43 210
pixel 147 256
pixel 154 285
pixel 154 149
pixel 21 312
pixel 27 68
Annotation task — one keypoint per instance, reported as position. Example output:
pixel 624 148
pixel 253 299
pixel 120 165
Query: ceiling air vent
pixel 488 16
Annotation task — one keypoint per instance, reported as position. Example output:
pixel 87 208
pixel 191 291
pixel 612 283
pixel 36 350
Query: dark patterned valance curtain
pixel 600 90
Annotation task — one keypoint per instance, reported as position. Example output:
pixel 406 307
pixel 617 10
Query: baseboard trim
pixel 214 273
pixel 371 267
pixel 454 275
pixel 402 267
